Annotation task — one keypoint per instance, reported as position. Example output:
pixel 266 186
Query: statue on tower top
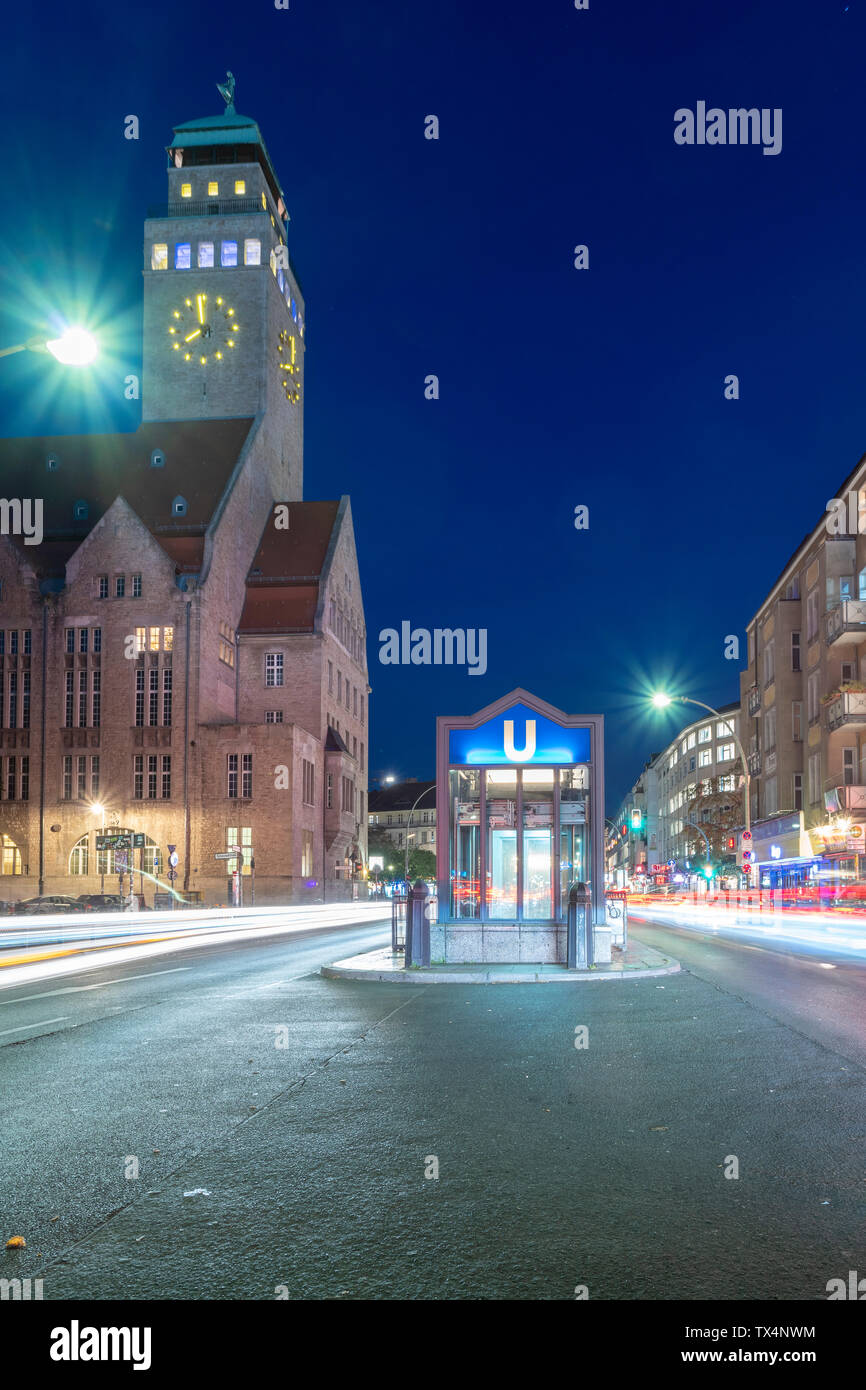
pixel 227 92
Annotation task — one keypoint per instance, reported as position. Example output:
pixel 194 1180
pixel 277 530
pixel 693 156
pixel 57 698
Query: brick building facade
pixel 183 654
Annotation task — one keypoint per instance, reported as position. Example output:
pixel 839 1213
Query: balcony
pixel 847 710
pixel 852 798
pixel 847 620
pixel 754 700
pixel 754 763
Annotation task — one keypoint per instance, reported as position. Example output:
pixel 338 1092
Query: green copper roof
pixel 228 128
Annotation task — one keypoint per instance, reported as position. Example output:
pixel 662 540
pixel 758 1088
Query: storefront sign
pixel 520 736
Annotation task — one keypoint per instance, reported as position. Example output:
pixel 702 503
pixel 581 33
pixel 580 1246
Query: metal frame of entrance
pixel 594 823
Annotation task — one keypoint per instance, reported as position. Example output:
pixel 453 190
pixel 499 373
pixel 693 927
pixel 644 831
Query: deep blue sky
pixel 558 387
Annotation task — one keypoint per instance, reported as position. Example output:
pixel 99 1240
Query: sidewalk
pixel 639 963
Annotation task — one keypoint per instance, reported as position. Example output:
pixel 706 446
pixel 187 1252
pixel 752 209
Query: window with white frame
pixel 273 668
pixel 705 757
pixel 724 752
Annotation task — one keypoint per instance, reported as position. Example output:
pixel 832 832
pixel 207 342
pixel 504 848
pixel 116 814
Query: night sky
pixel 558 387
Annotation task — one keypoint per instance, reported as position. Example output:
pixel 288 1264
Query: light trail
pixel 808 932
pixel 123 936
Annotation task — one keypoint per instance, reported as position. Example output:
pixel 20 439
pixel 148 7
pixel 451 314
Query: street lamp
pixel 408 823
pixel 661 701
pixel 74 348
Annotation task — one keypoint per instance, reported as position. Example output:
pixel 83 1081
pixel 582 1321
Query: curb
pixel 429 975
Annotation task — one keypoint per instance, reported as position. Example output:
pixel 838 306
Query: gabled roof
pixel 283 582
pixel 199 458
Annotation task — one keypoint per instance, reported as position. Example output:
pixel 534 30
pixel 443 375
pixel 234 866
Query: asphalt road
pixel 309 1111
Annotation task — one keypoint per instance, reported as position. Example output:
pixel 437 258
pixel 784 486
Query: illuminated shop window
pixel 229 253
pixel 182 252
pixel 205 253
pixel 159 256
pixel 186 190
pixel 213 189
pixel 252 251
pixel 240 187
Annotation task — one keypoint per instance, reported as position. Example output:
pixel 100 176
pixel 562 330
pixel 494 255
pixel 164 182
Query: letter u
pixel 526 752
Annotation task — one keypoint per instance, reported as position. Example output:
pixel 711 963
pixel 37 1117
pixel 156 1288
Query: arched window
pixel 79 859
pixel 10 856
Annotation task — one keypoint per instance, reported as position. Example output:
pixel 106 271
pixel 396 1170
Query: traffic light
pixel 623 831
pixel 709 870
pixel 636 818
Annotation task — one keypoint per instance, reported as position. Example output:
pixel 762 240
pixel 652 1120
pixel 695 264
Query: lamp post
pixel 408 823
pixel 98 809
pixel 74 348
pixel 660 700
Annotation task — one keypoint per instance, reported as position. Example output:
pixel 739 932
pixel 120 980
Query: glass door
pixel 537 844
pixel 502 844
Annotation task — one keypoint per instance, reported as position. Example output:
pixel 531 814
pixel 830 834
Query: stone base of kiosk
pixel 537 943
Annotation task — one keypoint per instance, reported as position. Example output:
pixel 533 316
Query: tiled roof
pixel 283 581
pixel 199 457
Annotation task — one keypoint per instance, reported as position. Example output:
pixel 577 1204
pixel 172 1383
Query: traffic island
pixel 637 962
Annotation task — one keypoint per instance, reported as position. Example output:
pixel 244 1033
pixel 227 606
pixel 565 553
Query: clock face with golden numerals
pixel 203 330
pixel 288 366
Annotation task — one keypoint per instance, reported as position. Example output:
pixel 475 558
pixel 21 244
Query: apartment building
pixel 803 699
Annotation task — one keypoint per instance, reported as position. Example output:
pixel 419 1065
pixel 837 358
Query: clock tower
pixel 224 322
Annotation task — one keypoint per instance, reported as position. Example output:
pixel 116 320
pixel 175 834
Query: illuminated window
pixel 227 644
pixel 213 189
pixel 182 252
pixel 159 256
pixel 153 642
pixel 167 639
pixel 264 202
pixel 240 187
pixel 273 262
pixel 205 253
pixel 252 251
pixel 186 190
pixel 281 280
pixel 78 859
pixel 229 253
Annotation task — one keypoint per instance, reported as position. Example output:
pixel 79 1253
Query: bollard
pixel 579 928
pixel 417 925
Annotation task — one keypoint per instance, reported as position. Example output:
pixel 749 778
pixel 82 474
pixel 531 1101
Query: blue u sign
pixel 519 736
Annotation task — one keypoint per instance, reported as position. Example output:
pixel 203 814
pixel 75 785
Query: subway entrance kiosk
pixel 520 817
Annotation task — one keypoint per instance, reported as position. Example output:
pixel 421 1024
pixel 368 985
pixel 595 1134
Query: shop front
pixel 784 854
pixel 520 793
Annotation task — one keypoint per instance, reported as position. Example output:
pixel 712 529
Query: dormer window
pixel 157 459
pixel 80 511
pixel 178 506
pixel 52 463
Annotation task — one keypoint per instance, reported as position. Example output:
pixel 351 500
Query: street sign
pixel 747 834
pixel 226 854
pixel 120 840
pixel 138 841
pixel 173 858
